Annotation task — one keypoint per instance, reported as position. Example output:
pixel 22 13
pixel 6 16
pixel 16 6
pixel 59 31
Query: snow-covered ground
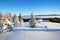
pixel 26 33
pixel 52 25
pixel 52 32
pixel 49 25
pixel 30 35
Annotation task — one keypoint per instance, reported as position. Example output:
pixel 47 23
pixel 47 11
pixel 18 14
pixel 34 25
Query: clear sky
pixel 41 7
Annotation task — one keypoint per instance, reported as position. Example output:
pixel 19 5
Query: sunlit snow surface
pixel 28 33
pixel 18 34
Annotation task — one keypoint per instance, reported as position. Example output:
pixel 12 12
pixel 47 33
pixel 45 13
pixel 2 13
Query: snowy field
pixel 20 33
pixel 52 32
pixel 30 35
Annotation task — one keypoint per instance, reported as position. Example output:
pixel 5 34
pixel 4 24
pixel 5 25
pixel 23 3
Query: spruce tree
pixel 14 17
pixel 1 16
pixel 33 24
pixel 20 19
pixel 10 17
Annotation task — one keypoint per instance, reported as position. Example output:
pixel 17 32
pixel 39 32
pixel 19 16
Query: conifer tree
pixel 14 17
pixel 33 24
pixel 10 16
pixel 20 19
pixel 1 16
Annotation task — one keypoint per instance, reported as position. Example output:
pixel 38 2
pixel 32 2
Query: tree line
pixel 32 22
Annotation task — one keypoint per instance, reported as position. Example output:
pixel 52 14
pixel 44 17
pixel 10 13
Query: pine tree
pixel 10 16
pixel 20 19
pixel 0 17
pixel 14 17
pixel 15 20
pixel 33 24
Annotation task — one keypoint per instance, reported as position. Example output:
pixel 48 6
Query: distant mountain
pixel 50 15
pixel 44 15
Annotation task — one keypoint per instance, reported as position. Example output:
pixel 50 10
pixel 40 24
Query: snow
pixel 30 35
pixel 48 25
pixel 43 31
pixel 51 25
pixel 0 27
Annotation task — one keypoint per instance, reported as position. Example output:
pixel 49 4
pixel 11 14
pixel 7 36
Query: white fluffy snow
pixel 30 35
pixel 18 33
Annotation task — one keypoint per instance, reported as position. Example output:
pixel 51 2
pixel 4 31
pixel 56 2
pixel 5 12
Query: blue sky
pixel 39 7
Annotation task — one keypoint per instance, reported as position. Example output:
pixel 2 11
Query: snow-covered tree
pixel 9 17
pixel 14 17
pixel 20 19
pixel 1 16
pixel 33 24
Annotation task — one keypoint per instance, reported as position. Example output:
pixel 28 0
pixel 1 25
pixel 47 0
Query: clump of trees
pixel 19 19
pixel 33 24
